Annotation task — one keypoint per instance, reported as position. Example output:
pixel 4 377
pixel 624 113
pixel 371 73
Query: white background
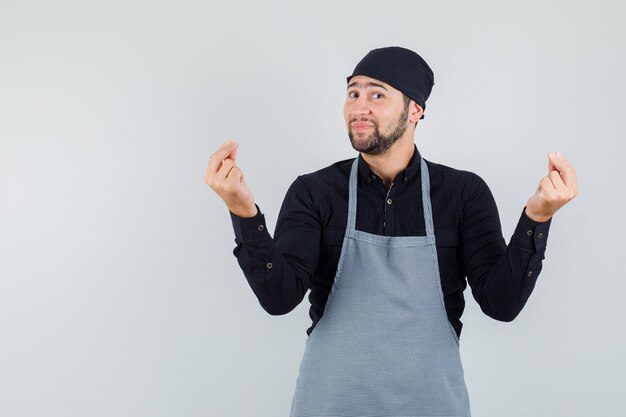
pixel 119 292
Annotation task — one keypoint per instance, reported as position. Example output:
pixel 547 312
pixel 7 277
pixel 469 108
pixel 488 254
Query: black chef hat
pixel 401 68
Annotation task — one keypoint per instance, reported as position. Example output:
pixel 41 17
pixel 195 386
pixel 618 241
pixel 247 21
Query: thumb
pixel 551 166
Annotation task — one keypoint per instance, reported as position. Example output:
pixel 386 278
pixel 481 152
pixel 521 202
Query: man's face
pixel 375 114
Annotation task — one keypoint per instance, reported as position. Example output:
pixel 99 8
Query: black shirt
pixel 304 252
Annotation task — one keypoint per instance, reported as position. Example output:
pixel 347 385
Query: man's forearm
pixel 279 286
pixel 503 288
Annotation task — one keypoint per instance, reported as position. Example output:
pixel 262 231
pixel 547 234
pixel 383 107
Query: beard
pixel 378 143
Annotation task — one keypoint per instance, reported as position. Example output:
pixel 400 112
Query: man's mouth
pixel 360 126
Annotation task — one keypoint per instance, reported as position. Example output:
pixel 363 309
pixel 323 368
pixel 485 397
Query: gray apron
pixel 384 345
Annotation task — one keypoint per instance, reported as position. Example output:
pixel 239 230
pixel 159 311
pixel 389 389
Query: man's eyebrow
pixel 369 85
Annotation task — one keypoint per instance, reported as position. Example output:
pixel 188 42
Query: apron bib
pixel 384 345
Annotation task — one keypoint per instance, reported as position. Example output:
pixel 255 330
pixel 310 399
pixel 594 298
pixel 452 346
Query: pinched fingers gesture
pixel 554 190
pixel 225 178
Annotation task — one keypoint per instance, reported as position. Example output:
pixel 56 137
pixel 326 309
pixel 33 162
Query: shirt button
pixel 530 273
pixel 389 201
pixel 269 265
pixel 540 235
pixel 530 232
pixel 260 227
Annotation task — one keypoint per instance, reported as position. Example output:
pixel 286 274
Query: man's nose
pixel 361 105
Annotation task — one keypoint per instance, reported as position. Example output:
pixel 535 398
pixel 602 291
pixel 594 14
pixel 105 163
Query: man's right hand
pixel 226 179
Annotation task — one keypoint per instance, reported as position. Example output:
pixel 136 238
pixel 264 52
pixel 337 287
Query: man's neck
pixel 389 164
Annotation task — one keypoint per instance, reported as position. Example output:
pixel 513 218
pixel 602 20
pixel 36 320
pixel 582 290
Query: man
pixel 385 242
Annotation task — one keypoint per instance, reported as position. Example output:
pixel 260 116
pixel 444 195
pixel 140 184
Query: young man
pixel 385 242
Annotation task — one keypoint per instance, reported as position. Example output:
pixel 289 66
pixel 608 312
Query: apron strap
pixel 352 186
pixel 428 210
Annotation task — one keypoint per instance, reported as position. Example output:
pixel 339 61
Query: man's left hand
pixel 556 189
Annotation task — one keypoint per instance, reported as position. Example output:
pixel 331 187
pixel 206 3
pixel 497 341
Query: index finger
pixel 218 156
pixel 567 171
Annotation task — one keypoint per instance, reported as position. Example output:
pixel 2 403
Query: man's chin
pixel 363 149
pixel 361 138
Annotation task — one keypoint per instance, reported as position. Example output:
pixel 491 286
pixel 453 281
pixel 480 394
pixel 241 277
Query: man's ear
pixel 415 112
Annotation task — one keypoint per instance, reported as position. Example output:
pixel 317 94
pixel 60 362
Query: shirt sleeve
pixel 501 276
pixel 280 269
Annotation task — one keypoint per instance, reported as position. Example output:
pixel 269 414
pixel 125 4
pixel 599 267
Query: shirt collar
pixel 411 171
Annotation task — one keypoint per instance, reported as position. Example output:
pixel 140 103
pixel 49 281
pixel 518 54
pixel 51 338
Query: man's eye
pixel 354 94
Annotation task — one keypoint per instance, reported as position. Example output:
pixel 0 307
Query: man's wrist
pixel 248 228
pixel 245 213
pixel 535 217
